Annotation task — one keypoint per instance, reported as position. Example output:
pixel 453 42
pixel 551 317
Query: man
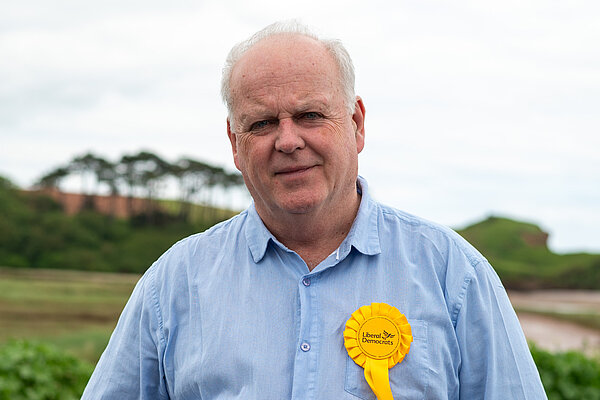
pixel 256 307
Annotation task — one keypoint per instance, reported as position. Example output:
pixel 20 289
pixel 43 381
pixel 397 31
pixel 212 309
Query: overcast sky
pixel 473 108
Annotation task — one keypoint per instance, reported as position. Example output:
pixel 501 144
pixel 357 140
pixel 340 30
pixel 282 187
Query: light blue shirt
pixel 231 313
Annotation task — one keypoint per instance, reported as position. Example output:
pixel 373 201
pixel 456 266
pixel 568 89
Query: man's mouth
pixel 293 170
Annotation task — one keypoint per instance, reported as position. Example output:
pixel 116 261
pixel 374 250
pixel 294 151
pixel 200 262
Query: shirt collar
pixel 363 236
pixel 257 234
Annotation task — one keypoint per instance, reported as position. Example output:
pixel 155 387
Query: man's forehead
pixel 271 48
pixel 281 53
pixel 284 74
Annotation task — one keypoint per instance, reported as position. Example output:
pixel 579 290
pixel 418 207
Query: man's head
pixel 294 132
pixel 335 48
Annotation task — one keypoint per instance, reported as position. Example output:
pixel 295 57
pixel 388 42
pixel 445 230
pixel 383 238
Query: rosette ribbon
pixel 377 337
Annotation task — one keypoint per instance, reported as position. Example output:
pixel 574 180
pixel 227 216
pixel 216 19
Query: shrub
pixel 36 371
pixel 568 375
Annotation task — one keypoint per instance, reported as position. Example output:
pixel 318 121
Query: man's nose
pixel 289 136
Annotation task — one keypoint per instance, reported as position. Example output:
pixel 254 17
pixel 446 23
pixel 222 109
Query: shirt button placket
pixel 304 385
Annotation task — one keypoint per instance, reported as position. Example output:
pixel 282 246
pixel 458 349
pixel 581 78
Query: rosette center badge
pixel 378 337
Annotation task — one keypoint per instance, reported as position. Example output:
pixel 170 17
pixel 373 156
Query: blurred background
pixel 480 115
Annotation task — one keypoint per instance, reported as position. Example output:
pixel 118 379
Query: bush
pixel 568 375
pixel 35 371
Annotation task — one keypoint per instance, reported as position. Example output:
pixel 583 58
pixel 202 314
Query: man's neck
pixel 314 235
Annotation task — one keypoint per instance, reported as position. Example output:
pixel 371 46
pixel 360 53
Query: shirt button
pixel 306 281
pixel 305 346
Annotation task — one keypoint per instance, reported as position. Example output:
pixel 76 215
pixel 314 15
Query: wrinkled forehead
pixel 284 61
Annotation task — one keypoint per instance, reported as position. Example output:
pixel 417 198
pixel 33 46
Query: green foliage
pixel 33 371
pixel 569 375
pixel 519 253
pixel 35 233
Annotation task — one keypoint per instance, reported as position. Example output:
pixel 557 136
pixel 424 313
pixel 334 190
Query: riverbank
pixel 560 320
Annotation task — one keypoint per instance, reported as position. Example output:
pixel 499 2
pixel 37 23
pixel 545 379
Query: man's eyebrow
pixel 311 107
pixel 251 116
pixel 260 113
pixel 311 103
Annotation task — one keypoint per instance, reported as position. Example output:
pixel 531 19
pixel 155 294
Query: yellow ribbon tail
pixel 376 374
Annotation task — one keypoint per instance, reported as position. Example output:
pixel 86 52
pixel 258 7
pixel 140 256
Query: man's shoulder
pixel 214 234
pixel 198 247
pixel 414 222
pixel 192 259
pixel 424 232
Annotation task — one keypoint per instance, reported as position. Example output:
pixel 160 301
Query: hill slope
pixel 519 253
pixel 35 232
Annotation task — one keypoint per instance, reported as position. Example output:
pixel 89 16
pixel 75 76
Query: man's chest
pixel 255 337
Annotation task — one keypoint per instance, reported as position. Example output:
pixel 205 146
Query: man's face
pixel 291 133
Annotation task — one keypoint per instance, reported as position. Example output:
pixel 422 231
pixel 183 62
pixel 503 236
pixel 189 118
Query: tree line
pixel 148 176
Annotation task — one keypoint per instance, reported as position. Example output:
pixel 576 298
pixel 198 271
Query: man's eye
pixel 259 125
pixel 311 115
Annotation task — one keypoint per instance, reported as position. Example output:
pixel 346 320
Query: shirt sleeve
pixel 130 368
pixel 495 359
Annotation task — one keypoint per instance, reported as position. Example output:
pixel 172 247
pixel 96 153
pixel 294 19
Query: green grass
pixel 73 310
pixel 86 344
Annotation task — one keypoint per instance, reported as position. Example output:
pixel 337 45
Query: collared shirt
pixel 232 313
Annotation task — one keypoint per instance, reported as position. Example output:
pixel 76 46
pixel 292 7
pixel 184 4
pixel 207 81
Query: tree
pixel 144 175
pixel 53 178
pixel 193 177
pixel 107 174
pixel 90 168
pixel 145 172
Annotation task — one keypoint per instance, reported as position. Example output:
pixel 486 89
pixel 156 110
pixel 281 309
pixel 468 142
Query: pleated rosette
pixel 377 337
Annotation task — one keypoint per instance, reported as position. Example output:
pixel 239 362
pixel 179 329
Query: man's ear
pixel 233 141
pixel 359 121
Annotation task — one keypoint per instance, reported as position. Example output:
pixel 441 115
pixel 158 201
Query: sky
pixel 473 108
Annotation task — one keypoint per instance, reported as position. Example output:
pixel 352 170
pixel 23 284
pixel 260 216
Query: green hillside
pixel 36 233
pixel 519 253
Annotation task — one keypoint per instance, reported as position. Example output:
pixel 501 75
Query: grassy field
pixel 74 310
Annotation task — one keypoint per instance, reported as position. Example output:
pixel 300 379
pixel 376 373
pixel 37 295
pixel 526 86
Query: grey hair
pixel 291 27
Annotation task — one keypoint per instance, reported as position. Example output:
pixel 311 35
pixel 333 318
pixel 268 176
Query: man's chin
pixel 298 206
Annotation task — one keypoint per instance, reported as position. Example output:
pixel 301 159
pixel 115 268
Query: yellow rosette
pixel 378 337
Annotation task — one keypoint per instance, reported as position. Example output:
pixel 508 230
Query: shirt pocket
pixel 409 379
